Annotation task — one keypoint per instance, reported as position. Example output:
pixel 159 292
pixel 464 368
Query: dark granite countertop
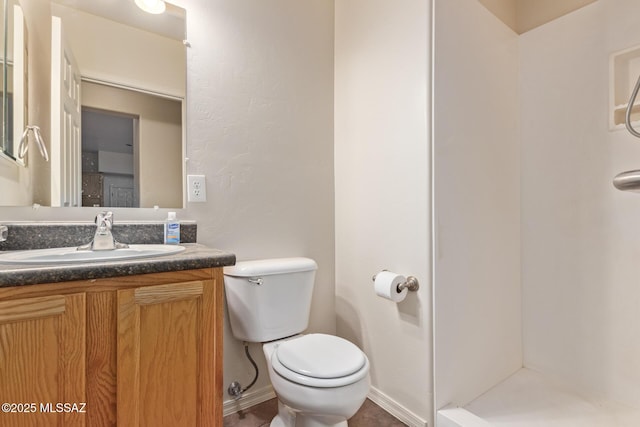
pixel 195 256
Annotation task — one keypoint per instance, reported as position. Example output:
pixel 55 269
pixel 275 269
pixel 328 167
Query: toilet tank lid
pixel 265 267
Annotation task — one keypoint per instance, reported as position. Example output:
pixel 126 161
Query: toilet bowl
pixel 320 380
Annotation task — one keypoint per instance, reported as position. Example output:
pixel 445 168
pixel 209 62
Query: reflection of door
pixel 65 121
pixel 121 197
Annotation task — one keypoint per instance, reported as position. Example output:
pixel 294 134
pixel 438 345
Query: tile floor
pixel 369 415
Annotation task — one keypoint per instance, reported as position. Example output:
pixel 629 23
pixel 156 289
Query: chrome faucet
pixel 4 233
pixel 103 240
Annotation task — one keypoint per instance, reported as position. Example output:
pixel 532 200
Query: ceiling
pixel 525 15
pixel 172 23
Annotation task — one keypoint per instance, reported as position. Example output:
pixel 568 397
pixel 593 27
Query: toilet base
pixel 288 418
pixel 285 418
pixel 278 422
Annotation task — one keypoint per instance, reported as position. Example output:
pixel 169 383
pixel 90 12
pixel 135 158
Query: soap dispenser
pixel 171 230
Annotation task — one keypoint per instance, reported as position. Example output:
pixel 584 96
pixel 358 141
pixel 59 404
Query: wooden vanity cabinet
pixel 42 359
pixel 141 350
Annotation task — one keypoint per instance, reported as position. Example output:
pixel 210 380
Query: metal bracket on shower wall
pixel 629 180
pixel 627 116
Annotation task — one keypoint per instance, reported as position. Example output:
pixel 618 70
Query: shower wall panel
pixel 580 236
pixel 476 201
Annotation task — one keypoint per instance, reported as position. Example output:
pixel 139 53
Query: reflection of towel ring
pixel 24 143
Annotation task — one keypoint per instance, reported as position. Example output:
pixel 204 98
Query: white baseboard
pixel 248 400
pixel 396 409
pixel 263 394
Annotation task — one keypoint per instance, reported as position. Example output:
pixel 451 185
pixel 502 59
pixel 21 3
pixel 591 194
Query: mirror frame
pixel 14 104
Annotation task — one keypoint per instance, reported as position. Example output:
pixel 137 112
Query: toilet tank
pixel 269 299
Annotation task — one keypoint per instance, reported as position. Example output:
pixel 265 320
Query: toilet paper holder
pixel 411 283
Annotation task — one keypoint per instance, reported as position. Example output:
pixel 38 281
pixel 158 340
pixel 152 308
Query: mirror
pixel 114 129
pixel 13 77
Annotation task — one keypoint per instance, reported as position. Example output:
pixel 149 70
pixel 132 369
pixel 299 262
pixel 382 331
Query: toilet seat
pixel 319 360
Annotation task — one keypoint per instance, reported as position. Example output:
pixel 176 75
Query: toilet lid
pixel 320 356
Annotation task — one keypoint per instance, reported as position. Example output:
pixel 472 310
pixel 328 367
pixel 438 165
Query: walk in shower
pixel 537 254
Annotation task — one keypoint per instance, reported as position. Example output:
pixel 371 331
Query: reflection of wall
pixel 160 127
pixel 38 18
pixel 110 51
pixel 118 163
pixel 15 182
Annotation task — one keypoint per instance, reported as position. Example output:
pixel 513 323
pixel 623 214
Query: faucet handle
pixel 104 219
pixel 4 233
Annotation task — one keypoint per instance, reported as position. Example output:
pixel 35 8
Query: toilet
pixel 320 380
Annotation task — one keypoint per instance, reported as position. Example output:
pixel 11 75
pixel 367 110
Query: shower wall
pixel 476 202
pixel 580 236
pixel 575 243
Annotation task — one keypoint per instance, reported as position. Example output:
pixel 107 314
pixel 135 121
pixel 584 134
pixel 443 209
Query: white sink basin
pixel 65 255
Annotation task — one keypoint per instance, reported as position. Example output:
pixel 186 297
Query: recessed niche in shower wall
pixel 624 72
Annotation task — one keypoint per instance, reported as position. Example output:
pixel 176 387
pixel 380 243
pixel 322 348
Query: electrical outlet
pixel 196 188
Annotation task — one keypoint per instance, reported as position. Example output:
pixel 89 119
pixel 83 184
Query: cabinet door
pixel 166 356
pixel 42 361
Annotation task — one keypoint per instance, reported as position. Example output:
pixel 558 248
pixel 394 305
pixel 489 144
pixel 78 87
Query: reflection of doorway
pixel 158 151
pixel 109 141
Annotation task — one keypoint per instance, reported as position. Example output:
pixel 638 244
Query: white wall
pixel 580 235
pixel 477 202
pixel 382 172
pixel 260 127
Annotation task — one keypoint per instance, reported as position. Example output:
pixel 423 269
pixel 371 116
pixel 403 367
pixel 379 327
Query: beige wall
pixel 159 168
pixel 382 170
